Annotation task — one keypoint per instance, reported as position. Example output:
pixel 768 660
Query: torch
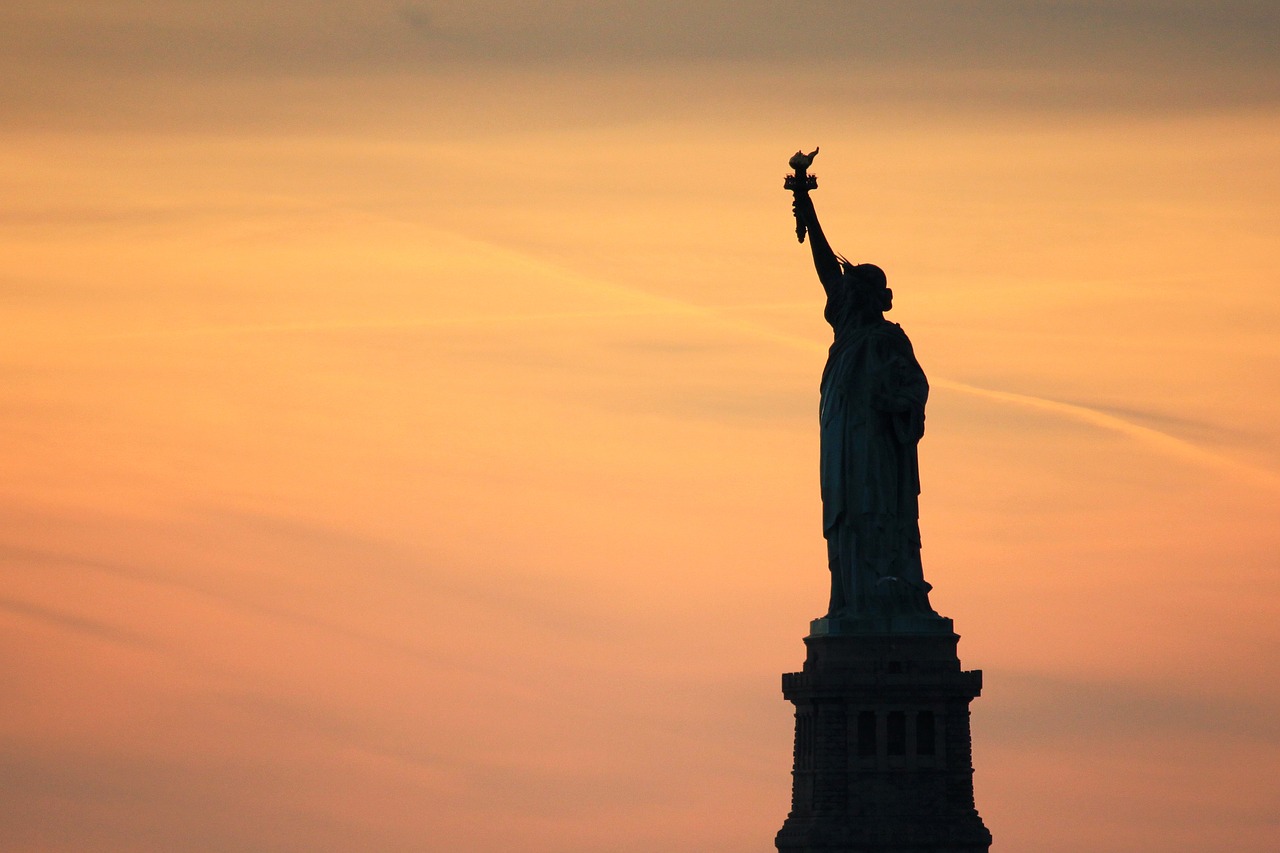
pixel 801 182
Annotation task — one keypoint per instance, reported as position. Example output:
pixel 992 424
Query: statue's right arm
pixel 824 258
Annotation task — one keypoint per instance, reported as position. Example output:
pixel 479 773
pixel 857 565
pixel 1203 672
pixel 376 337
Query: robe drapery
pixel 872 417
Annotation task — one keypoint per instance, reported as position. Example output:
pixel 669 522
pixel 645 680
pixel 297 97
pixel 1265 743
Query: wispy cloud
pixel 1008 33
pixel 1080 55
pixel 76 623
pixel 1040 708
pixel 635 302
pixel 253 536
pixel 1153 439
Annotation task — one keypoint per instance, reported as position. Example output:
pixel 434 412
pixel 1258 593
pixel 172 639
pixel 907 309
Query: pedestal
pixel 883 760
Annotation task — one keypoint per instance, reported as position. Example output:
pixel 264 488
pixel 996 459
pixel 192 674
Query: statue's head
pixel 869 285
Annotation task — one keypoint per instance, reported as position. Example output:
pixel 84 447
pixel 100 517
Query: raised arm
pixel 824 258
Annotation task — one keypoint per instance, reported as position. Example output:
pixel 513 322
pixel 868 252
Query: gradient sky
pixel 410 412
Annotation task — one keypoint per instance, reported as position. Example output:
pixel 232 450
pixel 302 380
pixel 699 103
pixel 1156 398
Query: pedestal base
pixel 883 759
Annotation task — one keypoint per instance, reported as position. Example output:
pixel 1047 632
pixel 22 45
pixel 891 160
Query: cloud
pixel 1037 707
pixel 75 623
pixel 107 796
pixel 866 32
pixel 328 554
pixel 1065 54
pixel 635 302
pixel 1155 440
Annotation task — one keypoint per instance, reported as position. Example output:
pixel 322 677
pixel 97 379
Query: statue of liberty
pixel 872 418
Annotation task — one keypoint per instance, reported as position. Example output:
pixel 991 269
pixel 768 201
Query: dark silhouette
pixel 872 417
pixel 882 757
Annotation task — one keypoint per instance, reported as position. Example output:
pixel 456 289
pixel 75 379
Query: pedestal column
pixel 883 758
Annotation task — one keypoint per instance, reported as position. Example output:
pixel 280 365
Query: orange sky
pixel 411 413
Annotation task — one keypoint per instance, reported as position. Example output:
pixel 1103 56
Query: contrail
pixel 1152 438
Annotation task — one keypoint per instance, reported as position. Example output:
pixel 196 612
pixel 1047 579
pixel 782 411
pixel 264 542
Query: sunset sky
pixel 410 412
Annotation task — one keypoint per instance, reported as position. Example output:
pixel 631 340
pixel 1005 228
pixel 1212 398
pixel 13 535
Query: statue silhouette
pixel 872 418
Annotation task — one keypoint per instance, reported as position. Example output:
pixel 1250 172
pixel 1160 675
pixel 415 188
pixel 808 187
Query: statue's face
pixel 869 296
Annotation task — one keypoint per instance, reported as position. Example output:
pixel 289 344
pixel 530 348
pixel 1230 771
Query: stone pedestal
pixel 883 759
